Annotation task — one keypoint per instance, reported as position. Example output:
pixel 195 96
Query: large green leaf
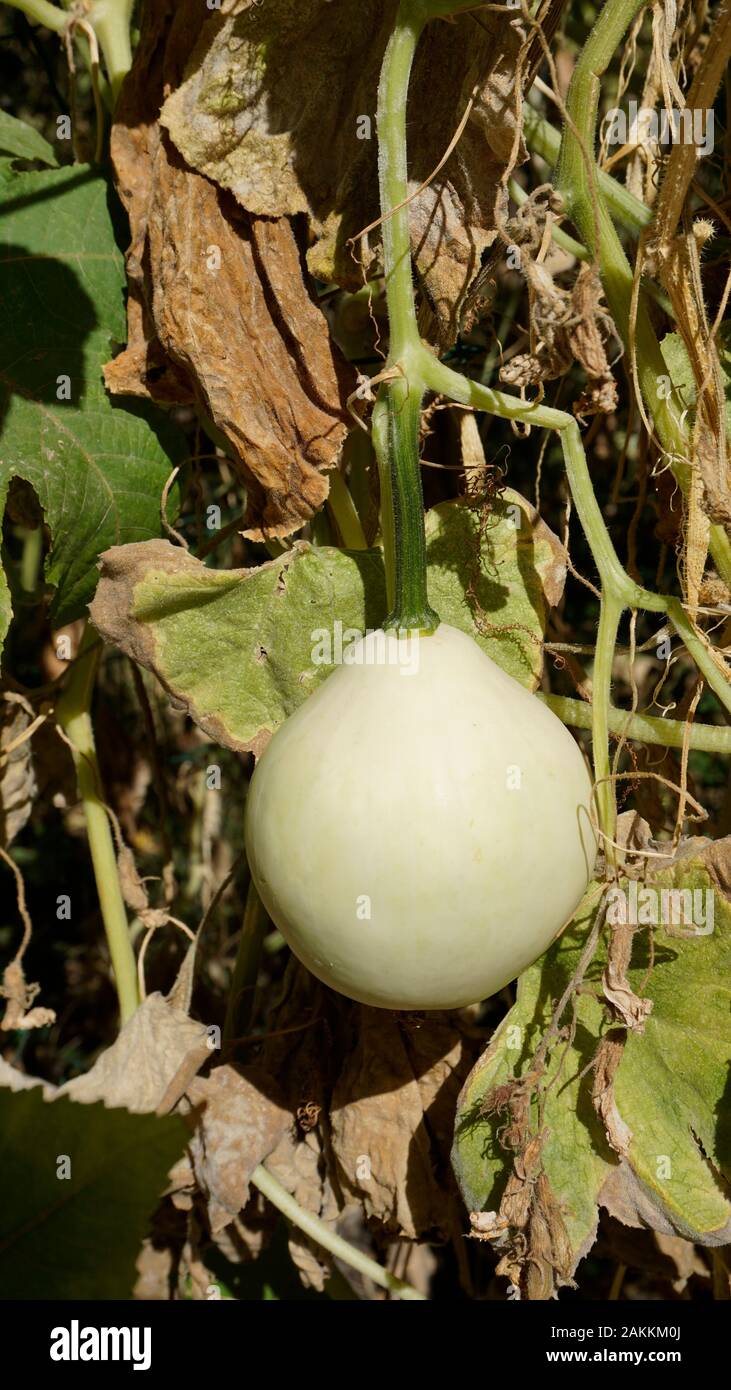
pixel 77 1236
pixel 670 1090
pixel 241 649
pixel 98 469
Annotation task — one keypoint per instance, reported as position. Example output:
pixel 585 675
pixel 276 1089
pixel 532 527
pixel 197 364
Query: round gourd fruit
pixel 419 828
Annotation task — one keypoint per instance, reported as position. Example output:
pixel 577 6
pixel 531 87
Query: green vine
pixel 73 714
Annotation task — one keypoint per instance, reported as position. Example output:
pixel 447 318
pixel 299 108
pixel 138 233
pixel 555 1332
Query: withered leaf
pixel 392 1117
pixel 606 1060
pixel 278 105
pixel 241 1121
pixel 219 312
pixel 230 307
pixel 137 1069
pixel 632 1203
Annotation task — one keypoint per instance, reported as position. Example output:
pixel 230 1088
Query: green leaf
pixel 98 469
pixel 77 1237
pixel 242 649
pixel 670 1088
pixel 24 142
pixel 495 580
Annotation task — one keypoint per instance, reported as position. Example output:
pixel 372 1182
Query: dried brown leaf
pixel 137 1069
pixel 392 1116
pixel 257 113
pixel 241 1122
pixel 606 1061
pixel 624 1003
pixel 219 311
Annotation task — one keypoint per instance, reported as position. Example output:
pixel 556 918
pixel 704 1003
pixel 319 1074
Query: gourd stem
pixel 397 413
pixel 74 717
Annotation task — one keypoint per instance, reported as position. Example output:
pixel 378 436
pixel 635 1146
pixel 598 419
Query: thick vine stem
pixel 42 12
pixel 542 139
pixel 110 20
pixel 397 413
pixel 610 613
pixel 583 194
pixel 328 1239
pixel 73 715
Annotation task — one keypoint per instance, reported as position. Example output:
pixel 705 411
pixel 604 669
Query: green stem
pixel 606 801
pixel 73 715
pixel 327 1238
pixel 31 558
pixel 577 180
pixel 42 12
pixel 111 20
pixel 243 983
pixel 618 589
pixel 645 728
pixel 397 414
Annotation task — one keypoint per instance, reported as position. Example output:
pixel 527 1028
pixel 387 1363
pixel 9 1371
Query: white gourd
pixel 420 837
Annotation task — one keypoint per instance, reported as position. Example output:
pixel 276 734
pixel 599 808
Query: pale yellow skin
pixel 419 839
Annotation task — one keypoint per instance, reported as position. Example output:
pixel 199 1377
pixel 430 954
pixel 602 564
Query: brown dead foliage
pixel 566 326
pixel 669 1259
pixel 219 312
pixel 240 1122
pixel 386 1087
pixel 256 114
pixel 606 1061
pixel 529 1227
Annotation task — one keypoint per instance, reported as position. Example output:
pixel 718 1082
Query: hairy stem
pixel 645 728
